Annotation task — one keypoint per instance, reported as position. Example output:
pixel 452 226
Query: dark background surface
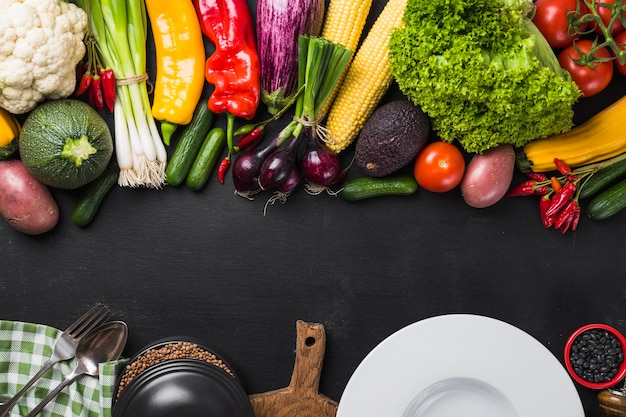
pixel 209 264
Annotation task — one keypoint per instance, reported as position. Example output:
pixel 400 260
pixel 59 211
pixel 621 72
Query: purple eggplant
pixel 278 25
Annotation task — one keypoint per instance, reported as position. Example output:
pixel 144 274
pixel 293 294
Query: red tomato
pixel 605 14
pixel 621 40
pixel 439 167
pixel 551 20
pixel 590 79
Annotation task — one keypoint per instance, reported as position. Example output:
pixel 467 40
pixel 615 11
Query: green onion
pixel 120 29
pixel 320 65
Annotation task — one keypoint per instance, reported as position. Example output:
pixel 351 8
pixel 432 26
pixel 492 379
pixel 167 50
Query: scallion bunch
pixel 120 28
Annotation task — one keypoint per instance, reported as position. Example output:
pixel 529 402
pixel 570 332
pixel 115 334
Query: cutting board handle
pixel 310 347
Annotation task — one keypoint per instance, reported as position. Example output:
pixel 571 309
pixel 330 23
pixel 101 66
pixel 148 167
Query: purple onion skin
pixel 278 25
pixel 320 165
pixel 277 166
pixel 293 180
pixel 247 167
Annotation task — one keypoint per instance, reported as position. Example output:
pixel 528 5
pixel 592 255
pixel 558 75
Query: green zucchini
pixel 602 178
pixel 94 193
pixel 367 187
pixel 189 144
pixel 608 202
pixel 202 167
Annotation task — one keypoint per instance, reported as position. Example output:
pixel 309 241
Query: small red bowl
pixel 621 372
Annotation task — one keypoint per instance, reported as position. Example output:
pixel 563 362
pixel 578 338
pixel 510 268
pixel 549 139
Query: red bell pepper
pixel 234 68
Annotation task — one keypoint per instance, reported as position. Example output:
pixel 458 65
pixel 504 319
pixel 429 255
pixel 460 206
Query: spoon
pixel 105 344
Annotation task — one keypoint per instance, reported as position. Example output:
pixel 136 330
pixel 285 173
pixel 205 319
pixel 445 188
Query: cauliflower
pixel 41 41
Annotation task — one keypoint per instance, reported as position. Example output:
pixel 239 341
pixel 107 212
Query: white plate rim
pixel 398 368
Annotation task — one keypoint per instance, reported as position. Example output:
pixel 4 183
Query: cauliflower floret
pixel 41 41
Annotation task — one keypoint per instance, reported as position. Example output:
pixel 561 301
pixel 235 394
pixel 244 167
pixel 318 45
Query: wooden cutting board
pixel 302 397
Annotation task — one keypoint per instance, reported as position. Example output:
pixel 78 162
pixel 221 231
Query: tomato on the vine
pixel 605 9
pixel 591 67
pixel 621 41
pixel 439 167
pixel 551 18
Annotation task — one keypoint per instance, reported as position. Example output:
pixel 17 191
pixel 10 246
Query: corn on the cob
pixel 343 24
pixel 366 81
pixel 345 20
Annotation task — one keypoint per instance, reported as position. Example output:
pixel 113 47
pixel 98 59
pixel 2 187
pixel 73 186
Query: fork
pixel 64 348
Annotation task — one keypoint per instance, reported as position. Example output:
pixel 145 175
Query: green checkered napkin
pixel 24 348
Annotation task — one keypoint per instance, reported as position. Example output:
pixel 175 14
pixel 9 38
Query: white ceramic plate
pixel 460 365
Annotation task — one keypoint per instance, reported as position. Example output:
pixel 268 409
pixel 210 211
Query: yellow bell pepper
pixel 9 132
pixel 180 59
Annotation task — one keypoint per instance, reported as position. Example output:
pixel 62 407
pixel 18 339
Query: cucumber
pixel 94 193
pixel 202 167
pixel 189 144
pixel 367 187
pixel 601 179
pixel 608 202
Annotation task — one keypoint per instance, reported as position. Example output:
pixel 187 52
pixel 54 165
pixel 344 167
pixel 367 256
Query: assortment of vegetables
pixel 120 29
pixel 234 68
pixel 272 166
pixel 495 80
pixel 482 71
pixel 366 81
pixel 343 24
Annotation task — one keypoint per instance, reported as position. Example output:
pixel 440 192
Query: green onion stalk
pixel 320 65
pixel 120 30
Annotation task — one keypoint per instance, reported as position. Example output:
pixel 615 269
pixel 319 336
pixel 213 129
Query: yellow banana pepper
pixel 9 132
pixel 180 59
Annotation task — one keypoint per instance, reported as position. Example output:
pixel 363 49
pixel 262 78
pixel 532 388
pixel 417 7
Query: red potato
pixel 488 176
pixel 25 203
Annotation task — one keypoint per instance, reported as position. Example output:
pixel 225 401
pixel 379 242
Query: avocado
pixel 391 138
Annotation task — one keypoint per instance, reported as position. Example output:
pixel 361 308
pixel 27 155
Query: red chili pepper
pixel 537 176
pixel 222 168
pixel 96 99
pixel 560 199
pixel 563 168
pixel 234 68
pixel 576 217
pixel 523 189
pixel 544 205
pixel 249 141
pixel 108 87
pixel 542 190
pixel 83 86
pixel 568 218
